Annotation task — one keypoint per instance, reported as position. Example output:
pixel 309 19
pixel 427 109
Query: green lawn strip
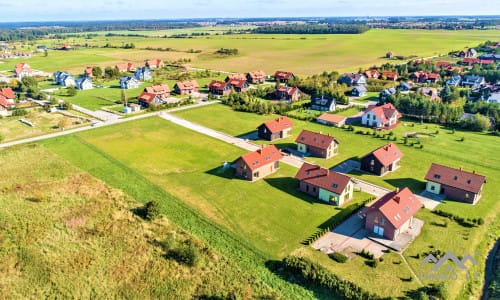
pixel 118 175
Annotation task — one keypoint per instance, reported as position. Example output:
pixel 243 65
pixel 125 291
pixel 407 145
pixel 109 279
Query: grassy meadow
pixel 302 54
pixel 66 234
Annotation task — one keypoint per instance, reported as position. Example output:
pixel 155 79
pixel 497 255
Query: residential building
pixel 129 82
pixel 88 72
pixel 236 76
pixel 186 87
pixel 383 116
pixel 454 80
pixel 467 53
pixel 256 77
pixel 317 144
pixel 443 64
pixel 83 83
pixel 385 94
pixel 287 93
pixel 430 92
pixel 325 185
pixel 331 120
pixel 473 81
pixel 456 184
pixel 275 129
pixel 424 77
pixel 124 67
pixel 382 160
pixel 219 88
pixel 494 98
pixel 22 69
pixel 283 76
pixel 154 64
pixel 404 87
pixel 146 99
pixel 393 76
pixel 161 90
pixel 143 74
pixel 239 85
pixel 258 164
pixel 351 79
pixel 371 74
pixel 322 103
pixel 358 91
pixel 393 214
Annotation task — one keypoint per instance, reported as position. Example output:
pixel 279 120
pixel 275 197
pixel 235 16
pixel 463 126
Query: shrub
pixel 186 254
pixel 151 210
pixel 372 263
pixel 480 221
pixel 338 257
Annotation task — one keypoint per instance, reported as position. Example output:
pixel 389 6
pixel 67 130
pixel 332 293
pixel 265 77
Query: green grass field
pixel 302 54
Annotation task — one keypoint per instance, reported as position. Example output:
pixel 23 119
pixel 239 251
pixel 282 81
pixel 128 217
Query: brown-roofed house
pixel 219 88
pixel 382 160
pixel 7 93
pixel 186 87
pixel 239 85
pixel 124 67
pixel 443 64
pixel 88 72
pixel 324 184
pixel 390 76
pixel 22 69
pixel 146 99
pixel 456 184
pixel 372 74
pixel 430 92
pixel 161 90
pixel 258 164
pixel 317 144
pixel 287 93
pixel 275 129
pixel 283 76
pixel 154 63
pixel 383 116
pixel 392 214
pixel 237 76
pixel 422 77
pixel 332 120
pixel 256 77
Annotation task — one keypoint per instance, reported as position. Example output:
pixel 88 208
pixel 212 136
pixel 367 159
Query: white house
pixel 384 116
pixel 84 83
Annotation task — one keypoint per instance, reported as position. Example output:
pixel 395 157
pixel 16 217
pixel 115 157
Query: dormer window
pixel 455 177
pixel 437 176
pixel 469 181
pixel 335 185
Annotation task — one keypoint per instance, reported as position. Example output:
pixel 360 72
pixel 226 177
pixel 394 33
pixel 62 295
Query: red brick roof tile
pixel 397 206
pixel 323 178
pixel 315 139
pixel 261 157
pixel 278 124
pixel 467 181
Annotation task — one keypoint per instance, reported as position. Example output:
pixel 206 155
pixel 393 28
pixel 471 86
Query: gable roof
pixel 314 139
pixel 278 124
pixel 218 85
pixel 239 83
pixel 8 93
pixel 261 157
pixel 283 74
pixel 158 89
pixel 289 90
pixel 383 112
pixel 387 154
pixel 372 73
pixel 237 76
pixel 187 84
pixel 397 206
pixel 146 97
pixel 332 118
pixel 3 102
pixel 321 101
pixel 388 75
pixel 257 74
pixel 444 64
pixel 458 178
pixel 323 178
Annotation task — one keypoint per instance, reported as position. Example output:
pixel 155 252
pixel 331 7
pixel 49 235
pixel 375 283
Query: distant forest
pixel 312 29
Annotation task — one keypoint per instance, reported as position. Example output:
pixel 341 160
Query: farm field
pixel 85 242
pixel 302 54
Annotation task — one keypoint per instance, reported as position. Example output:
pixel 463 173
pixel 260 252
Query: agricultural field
pixel 302 54
pixel 85 242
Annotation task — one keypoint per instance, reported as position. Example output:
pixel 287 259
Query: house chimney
pixel 473 171
pixel 461 169
pixel 397 199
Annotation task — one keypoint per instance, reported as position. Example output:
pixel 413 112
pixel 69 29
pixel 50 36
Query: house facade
pixel 383 116
pixel 317 144
pixel 283 76
pixel 351 79
pixel 236 76
pixel 239 85
pixel 186 87
pixel 393 76
pixel 392 214
pixel 143 74
pixel 456 184
pixel 22 69
pixel 146 99
pixel 129 82
pixel 124 67
pixel 382 160
pixel 258 164
pixel 161 90
pixel 371 74
pixel 219 88
pixel 358 91
pixel 275 129
pixel 473 81
pixel 287 93
pixel 256 77
pixel 84 83
pixel 154 64
pixel 322 103
pixel 324 184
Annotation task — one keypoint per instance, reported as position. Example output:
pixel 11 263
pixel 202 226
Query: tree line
pixel 312 29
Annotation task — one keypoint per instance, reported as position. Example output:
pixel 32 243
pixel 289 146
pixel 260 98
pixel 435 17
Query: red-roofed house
pixel 317 144
pixel 283 76
pixel 8 94
pixel 186 87
pixel 146 99
pixel 3 106
pixel 23 69
pixel 258 164
pixel 239 85
pixel 88 72
pixel 456 184
pixel 287 93
pixel 422 77
pixel 256 77
pixel 124 67
pixel 384 116
pixel 390 76
pixel 470 60
pixel 392 214
pixel 219 88
pixel 486 62
pixel 162 90
pixel 237 76
pixel 275 129
pixel 155 64
pixel 325 185
pixel 372 74
pixel 443 64
pixel 332 120
pixel 382 160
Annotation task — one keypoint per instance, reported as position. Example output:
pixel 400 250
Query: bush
pixel 151 210
pixel 19 112
pixel 372 263
pixel 186 254
pixel 338 257
pixel 480 221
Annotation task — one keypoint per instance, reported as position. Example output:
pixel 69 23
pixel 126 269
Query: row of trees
pixel 312 29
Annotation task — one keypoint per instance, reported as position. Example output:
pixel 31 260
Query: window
pixel 307 188
pixel 382 221
pixel 437 176
pixel 372 162
pixel 455 178
pixel 335 185
pixel 314 189
pixel 256 174
pixel 468 181
pixel 466 195
pixel 433 188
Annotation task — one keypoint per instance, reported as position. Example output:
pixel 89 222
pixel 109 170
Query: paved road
pixel 98 114
pixel 111 122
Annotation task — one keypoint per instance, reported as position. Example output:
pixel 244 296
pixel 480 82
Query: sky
pixel 72 10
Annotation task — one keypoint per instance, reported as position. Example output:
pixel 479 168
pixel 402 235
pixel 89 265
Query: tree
pixel 45 53
pixel 29 82
pixel 97 72
pixel 124 97
pixel 71 91
pixel 64 123
pixel 151 210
